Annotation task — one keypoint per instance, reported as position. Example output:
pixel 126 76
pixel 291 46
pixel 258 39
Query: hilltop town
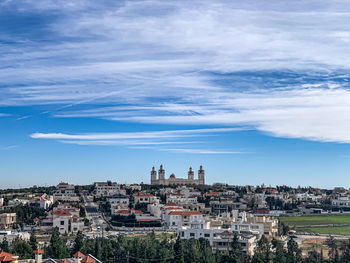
pixel 65 223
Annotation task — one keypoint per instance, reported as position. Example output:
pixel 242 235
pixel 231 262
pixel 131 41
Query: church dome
pixel 172 176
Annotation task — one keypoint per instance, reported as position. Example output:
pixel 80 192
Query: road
pixel 98 224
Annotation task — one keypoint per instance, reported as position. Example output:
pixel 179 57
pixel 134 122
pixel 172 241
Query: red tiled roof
pixel 144 220
pixel 185 213
pixel 213 193
pixel 144 195
pixel 64 261
pixel 36 219
pixel 78 255
pixel 123 212
pixel 61 212
pixel 87 259
pixel 170 204
pixel 7 257
pixel 38 251
pixel 171 208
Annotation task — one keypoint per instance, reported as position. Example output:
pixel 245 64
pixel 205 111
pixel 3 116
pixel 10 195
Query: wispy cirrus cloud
pixel 272 67
pixel 157 140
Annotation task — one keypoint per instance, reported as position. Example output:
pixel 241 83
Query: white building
pixel 341 201
pixel 180 218
pixel 145 198
pixel 108 188
pixel 65 192
pixel 118 199
pixel 7 220
pixel 44 201
pixel 66 222
pixel 180 199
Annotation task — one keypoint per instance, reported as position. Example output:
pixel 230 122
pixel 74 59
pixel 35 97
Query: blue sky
pixel 255 91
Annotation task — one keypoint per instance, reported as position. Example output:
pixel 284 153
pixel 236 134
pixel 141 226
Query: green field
pixel 336 230
pixel 322 224
pixel 315 220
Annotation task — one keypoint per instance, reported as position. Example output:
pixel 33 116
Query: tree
pixel 280 254
pixel 32 241
pixel 237 252
pixel 179 250
pixel 21 248
pixel 78 242
pixel 57 248
pixel 293 252
pixel 82 212
pixel 333 250
pixel 346 254
pixel 262 251
pixel 4 245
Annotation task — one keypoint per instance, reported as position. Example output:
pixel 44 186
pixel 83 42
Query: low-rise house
pixel 38 253
pixel 7 257
pixel 224 205
pixel 178 219
pixel 43 201
pixel 65 192
pixel 118 199
pixel 341 201
pixel 145 198
pixel 66 222
pixel 222 243
pixel 7 220
pixel 124 211
pixel 197 207
pixel 181 199
pixel 12 235
pixel 108 188
pixel 19 201
pixel 220 239
pixel 270 225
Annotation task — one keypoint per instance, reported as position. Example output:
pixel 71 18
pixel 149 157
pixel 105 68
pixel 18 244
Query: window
pixel 182 233
pixel 206 235
pixel 62 223
pixel 191 234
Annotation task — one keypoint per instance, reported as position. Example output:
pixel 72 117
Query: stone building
pixel 161 180
pixel 7 220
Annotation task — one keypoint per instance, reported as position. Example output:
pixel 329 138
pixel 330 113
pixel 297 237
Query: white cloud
pixel 161 62
pixel 133 135
pixel 199 151
pixel 156 140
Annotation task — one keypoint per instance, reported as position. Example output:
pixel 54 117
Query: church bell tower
pixel 153 175
pixel 201 176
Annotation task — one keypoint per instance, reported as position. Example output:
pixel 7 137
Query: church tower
pixel 153 176
pixel 201 176
pixel 190 174
pixel 161 174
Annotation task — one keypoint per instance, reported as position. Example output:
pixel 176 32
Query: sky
pixel 255 91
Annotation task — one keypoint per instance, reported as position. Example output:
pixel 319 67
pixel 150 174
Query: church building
pixel 177 181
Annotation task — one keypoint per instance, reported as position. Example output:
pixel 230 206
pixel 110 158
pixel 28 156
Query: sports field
pixel 329 230
pixel 322 224
pixel 316 220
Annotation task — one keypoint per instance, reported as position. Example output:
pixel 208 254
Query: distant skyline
pixel 255 91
